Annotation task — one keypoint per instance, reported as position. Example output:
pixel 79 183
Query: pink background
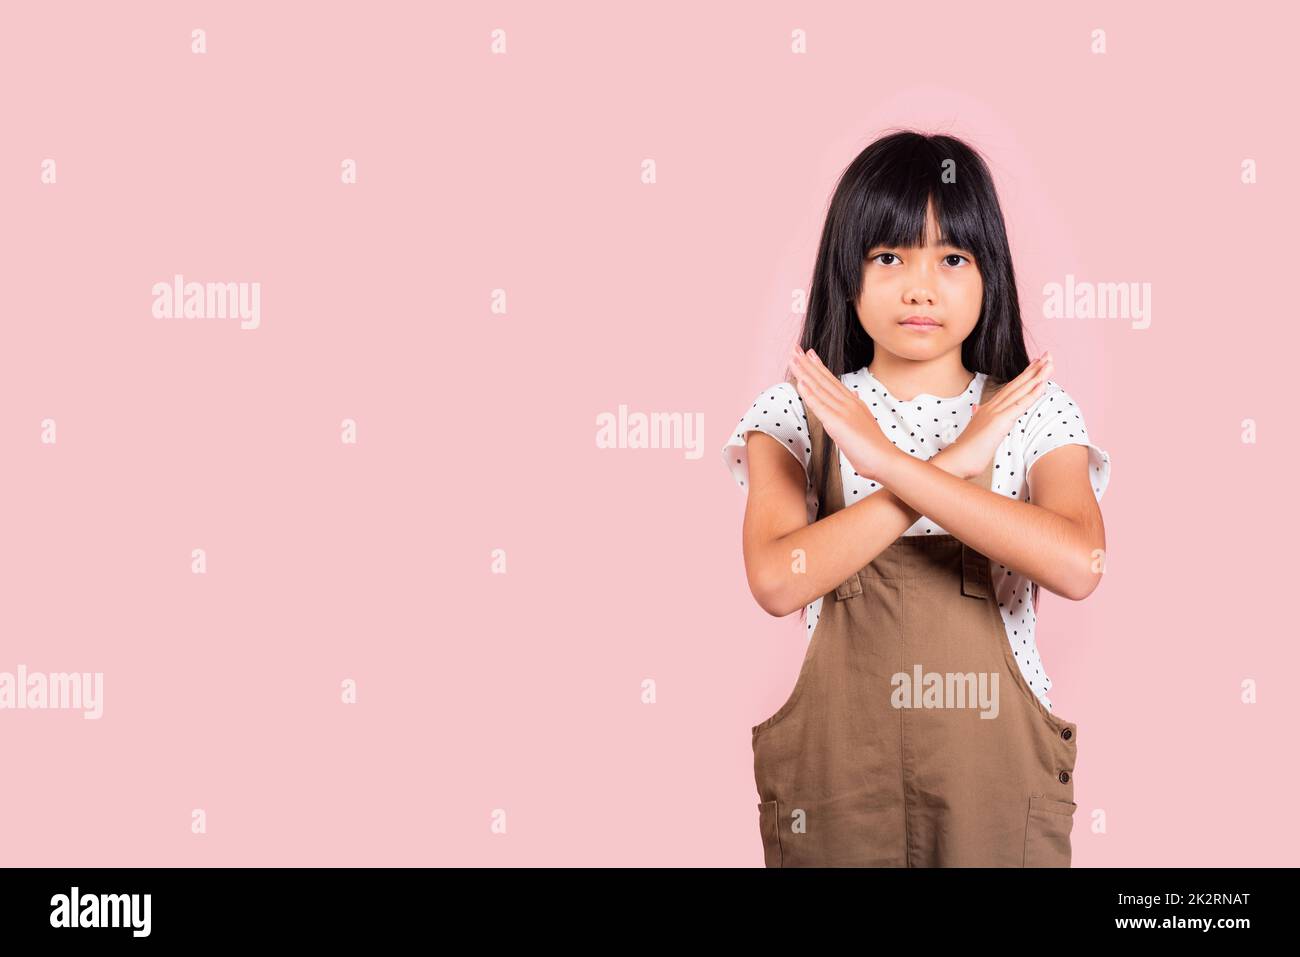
pixel 476 431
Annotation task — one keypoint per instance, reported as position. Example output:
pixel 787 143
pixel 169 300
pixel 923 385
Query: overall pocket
pixel 1047 832
pixel 770 829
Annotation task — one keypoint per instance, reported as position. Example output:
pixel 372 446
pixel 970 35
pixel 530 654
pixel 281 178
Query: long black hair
pixel 882 199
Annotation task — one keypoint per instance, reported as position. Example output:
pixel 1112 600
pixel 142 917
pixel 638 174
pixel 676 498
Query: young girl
pixel 911 490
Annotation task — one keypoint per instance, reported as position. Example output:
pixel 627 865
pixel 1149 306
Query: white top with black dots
pixel 922 427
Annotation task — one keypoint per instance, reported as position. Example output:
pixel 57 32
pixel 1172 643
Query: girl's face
pixel 938 283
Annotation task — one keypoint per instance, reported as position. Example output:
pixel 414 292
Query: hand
pixel 989 424
pixel 842 412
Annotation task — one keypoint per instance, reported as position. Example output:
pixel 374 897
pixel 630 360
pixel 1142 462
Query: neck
pixel 907 378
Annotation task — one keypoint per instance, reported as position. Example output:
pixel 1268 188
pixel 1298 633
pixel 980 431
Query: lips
pixel 924 322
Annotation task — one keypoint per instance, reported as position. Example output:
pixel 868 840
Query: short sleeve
pixel 779 412
pixel 1054 420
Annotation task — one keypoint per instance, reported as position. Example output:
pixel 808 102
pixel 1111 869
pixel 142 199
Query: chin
pixel 918 352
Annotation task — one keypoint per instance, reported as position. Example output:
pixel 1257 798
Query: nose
pixel 918 291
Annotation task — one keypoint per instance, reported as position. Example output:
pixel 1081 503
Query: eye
pixel 894 257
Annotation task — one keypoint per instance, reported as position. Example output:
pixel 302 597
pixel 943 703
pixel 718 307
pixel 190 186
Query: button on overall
pixel 970 770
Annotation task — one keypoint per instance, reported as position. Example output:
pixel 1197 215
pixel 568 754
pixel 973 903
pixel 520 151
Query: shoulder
pixel 1055 407
pixel 777 411
pixel 782 393
pixel 1055 419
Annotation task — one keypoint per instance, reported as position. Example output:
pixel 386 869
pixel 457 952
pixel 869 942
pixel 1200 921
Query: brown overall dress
pixel 851 773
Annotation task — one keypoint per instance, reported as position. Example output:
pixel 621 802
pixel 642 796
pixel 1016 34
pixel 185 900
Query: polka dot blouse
pixel 922 427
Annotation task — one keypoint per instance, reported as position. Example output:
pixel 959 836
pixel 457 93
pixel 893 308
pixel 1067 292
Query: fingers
pixel 1026 386
pixel 812 388
pixel 812 391
pixel 811 367
pixel 825 393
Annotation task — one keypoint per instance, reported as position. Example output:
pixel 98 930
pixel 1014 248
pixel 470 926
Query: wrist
pixel 886 472
pixel 950 463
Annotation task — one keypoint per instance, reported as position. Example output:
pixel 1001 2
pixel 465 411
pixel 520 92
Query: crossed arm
pixel 1052 539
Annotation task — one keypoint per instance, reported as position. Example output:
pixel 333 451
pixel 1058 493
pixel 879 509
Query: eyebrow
pixel 939 245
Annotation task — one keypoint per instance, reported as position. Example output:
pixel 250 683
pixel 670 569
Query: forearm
pixel 814 559
pixel 1037 542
